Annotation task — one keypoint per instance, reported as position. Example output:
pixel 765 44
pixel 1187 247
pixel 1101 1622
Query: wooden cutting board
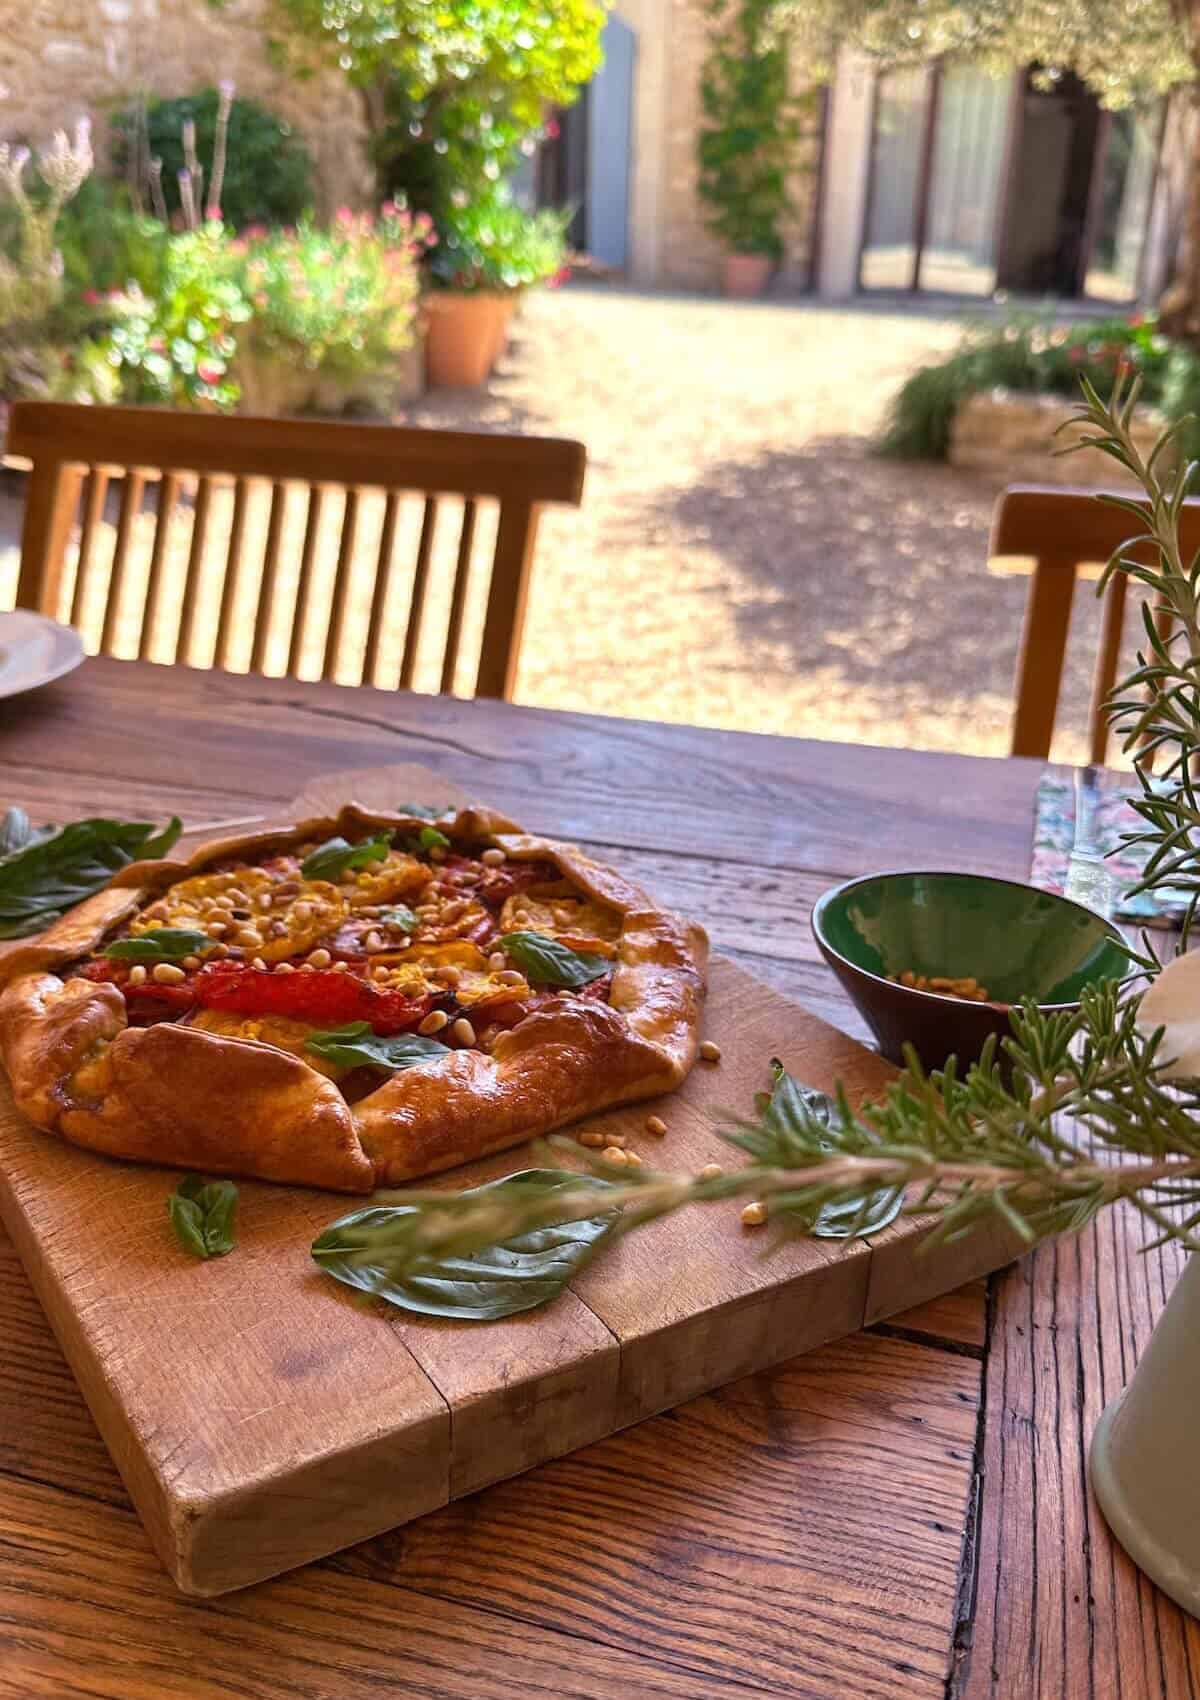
pixel 261 1417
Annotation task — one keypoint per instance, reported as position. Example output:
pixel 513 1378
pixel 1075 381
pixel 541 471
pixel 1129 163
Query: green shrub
pixel 268 170
pixel 175 348
pixel 492 243
pixel 749 129
pixel 1035 356
pixel 107 246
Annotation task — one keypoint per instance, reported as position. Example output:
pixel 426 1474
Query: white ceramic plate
pixel 35 649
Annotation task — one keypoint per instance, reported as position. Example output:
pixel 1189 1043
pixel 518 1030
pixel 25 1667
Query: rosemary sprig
pixel 1085 1111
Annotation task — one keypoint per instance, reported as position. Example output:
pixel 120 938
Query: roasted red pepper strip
pixel 152 1001
pixel 324 998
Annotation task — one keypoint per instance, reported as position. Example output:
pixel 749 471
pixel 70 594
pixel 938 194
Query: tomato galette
pixel 350 1003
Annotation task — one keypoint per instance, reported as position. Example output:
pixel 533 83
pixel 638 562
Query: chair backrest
pixel 312 596
pixel 1062 529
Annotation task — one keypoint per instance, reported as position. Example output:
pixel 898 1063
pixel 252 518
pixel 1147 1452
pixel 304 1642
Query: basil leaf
pixel 371 1250
pixel 201 1213
pixel 331 859
pixel 58 867
pixel 401 916
pixel 841 1219
pixel 429 838
pixel 420 811
pixel 548 963
pixel 160 944
pixel 355 1045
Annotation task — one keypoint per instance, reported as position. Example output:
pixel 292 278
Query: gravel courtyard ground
pixel 741 558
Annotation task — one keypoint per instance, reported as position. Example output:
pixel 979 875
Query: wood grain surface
pixel 612 1555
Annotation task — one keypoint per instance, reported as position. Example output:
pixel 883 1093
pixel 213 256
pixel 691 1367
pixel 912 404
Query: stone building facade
pixel 62 58
pixel 671 243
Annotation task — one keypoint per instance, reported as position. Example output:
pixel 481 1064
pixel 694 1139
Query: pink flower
pixel 254 232
pixel 209 373
pixel 157 345
pixel 212 213
pixel 91 297
pixel 550 129
pixel 344 217
pixel 389 209
pixel 238 247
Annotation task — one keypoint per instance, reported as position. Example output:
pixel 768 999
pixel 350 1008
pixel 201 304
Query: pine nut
pixel 511 977
pixel 434 1021
pixel 264 900
pixel 341 968
pixel 437 854
pixel 167 974
pixel 191 962
pixel 319 958
pixel 259 964
pixel 497 961
pixel 235 896
pixel 463 1031
pixel 219 951
pixel 285 967
pixel 137 975
pixel 711 1172
pixel 656 1125
pixel 614 1154
pixel 302 911
pixel 277 930
pixel 287 888
pixel 374 941
pixel 754 1215
pixel 710 1051
pixel 216 929
pixel 448 974
pixel 250 937
pixel 492 858
pixel 594 1141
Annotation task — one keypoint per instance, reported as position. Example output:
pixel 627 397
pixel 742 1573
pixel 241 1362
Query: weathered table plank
pixel 1066 1328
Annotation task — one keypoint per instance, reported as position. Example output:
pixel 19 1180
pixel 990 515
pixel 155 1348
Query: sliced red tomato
pixel 324 998
pixel 148 1002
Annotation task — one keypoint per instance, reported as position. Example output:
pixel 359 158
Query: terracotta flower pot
pixel 464 337
pixel 745 276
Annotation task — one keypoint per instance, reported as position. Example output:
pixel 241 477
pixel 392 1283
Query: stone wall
pixel 1013 438
pixel 689 257
pixel 62 58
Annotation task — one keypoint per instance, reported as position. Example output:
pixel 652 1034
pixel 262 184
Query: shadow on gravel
pixel 834 555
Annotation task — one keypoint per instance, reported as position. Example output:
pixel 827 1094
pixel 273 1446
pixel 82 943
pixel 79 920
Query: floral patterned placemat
pixel 1112 818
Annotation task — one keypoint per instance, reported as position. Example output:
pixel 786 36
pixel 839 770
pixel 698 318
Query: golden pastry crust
pixel 202 1096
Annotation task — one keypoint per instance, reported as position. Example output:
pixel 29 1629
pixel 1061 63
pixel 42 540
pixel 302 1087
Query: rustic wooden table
pixel 902 1514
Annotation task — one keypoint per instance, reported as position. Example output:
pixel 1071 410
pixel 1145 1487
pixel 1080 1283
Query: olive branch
pixel 1076 1110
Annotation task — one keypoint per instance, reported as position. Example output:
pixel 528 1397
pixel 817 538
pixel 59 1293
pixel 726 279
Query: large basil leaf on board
pixel 48 870
pixel 371 1250
pixel 844 1218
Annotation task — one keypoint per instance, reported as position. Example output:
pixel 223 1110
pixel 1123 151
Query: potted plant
pixel 487 253
pixel 332 313
pixel 747 141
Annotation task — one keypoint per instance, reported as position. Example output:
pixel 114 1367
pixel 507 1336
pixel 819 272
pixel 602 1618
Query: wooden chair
pixel 198 460
pixel 1063 530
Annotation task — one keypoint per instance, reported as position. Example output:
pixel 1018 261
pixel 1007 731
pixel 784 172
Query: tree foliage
pixel 451 91
pixel 1125 50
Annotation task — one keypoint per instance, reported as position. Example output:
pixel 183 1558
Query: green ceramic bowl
pixel 1016 941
